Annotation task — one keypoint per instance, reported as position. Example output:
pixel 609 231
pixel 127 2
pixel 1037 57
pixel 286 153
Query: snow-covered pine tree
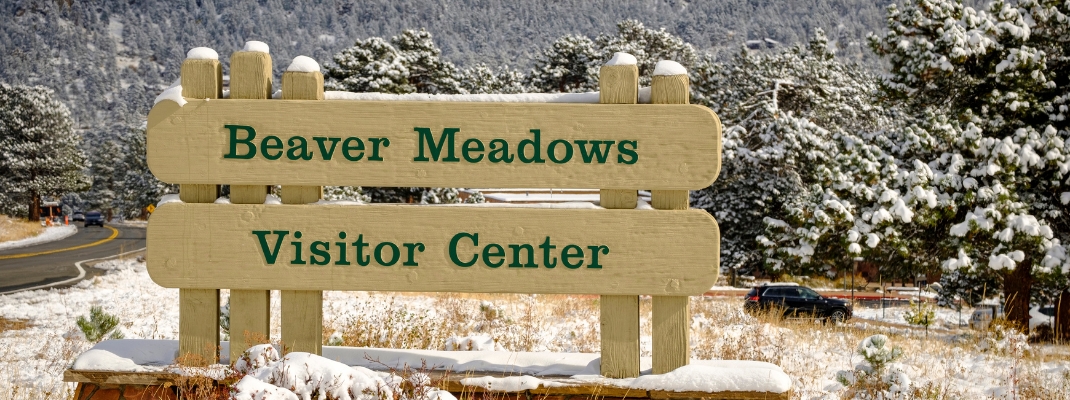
pixel 39 151
pixel 995 81
pixel 428 72
pixel 569 65
pixel 348 193
pixel 481 79
pixel 140 188
pixel 370 65
pixel 789 146
pixel 648 46
pixel 109 175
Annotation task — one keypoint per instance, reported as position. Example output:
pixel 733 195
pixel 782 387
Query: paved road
pixel 52 262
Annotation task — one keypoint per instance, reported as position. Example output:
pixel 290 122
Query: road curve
pixel 46 263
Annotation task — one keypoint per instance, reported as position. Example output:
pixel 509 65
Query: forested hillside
pixel 108 59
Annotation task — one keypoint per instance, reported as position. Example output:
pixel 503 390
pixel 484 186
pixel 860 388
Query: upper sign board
pixel 434 144
pixel 433 249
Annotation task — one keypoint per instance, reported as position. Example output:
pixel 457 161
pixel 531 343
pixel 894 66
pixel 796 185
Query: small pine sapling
pixel 920 314
pixel 99 326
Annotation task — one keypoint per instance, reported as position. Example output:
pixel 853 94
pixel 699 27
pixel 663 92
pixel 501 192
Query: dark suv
pixel 797 301
pixel 94 218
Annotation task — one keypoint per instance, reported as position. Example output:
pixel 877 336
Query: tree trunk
pixel 35 207
pixel 1016 287
pixel 1062 316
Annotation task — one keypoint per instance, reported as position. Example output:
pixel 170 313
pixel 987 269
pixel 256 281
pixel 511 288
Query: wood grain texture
pixel 301 194
pixel 212 246
pixel 677 146
pixel 250 320
pixel 670 89
pixel 198 309
pixel 250 75
pixel 198 326
pixel 302 320
pixel 302 85
pixel 670 315
pixel 302 310
pixel 620 336
pixel 619 317
pixel 202 79
pixel 670 333
pixel 618 84
pixel 248 194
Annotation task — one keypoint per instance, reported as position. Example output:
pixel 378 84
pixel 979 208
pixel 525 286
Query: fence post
pixel 619 315
pixel 198 309
pixel 302 310
pixel 670 316
pixel 250 310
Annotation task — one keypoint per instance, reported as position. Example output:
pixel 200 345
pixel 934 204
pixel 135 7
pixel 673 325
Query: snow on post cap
pixel 666 67
pixel 202 53
pixel 257 46
pixel 303 64
pixel 622 59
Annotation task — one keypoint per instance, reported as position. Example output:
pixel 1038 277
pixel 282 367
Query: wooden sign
pixel 434 144
pixel 433 249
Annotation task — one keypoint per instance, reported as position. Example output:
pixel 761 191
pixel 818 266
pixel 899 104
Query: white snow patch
pixel 303 64
pixel 169 198
pixel 249 388
pixel 272 200
pixel 719 376
pixel 620 58
pixel 510 383
pixel 202 53
pixel 473 343
pixel 257 46
pixel 173 93
pixel 50 234
pixel 587 97
pixel 667 67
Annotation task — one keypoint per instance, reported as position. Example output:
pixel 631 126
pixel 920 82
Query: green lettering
pixel 394 252
pixel 596 151
pixel 411 247
pixel 498 253
pixel 298 259
pixel 375 148
pixel 501 153
pixel 327 154
pixel 250 149
pixel 319 249
pixel 270 256
pixel 472 145
pixel 271 143
pixel 347 148
pixel 594 255
pixel 516 256
pixel 298 151
pixel 569 252
pixel 428 141
pixel 553 154
pixel 536 146
pixel 362 260
pixel 546 259
pixel 623 149
pixel 341 250
pixel 453 248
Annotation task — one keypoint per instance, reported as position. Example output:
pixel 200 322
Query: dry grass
pixel 18 229
pixel 7 325
pixel 50 354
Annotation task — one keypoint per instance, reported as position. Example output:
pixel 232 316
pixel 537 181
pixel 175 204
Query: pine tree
pixel 370 65
pixel 481 79
pixel 570 65
pixel 648 46
pixel 140 187
pixel 39 151
pixel 428 72
pixel 108 174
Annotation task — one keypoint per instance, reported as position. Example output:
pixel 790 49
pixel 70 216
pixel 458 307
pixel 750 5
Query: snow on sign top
pixel 256 46
pixel 202 53
pixel 666 67
pixel 303 64
pixel 622 59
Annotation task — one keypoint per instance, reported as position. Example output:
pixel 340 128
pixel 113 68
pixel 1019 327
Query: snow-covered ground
pixel 39 337
pixel 50 234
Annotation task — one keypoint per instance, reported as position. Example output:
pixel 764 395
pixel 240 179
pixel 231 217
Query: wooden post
pixel 250 310
pixel 670 316
pixel 302 310
pixel 198 309
pixel 619 84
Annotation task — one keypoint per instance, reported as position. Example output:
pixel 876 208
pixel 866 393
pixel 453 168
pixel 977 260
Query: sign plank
pixel 434 144
pixel 433 249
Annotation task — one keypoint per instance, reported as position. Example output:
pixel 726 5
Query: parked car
pixel 797 301
pixel 93 218
pixel 78 216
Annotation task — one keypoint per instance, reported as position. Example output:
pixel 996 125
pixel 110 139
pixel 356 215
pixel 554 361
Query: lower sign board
pixel 433 249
